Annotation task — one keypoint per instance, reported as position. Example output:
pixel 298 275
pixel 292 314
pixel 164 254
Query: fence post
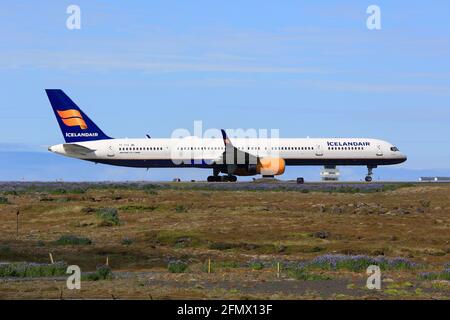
pixel 17 223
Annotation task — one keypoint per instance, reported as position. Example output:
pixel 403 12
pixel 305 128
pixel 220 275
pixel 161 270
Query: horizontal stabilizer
pixel 74 148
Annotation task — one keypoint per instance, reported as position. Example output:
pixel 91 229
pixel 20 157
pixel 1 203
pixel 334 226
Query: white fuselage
pixel 196 152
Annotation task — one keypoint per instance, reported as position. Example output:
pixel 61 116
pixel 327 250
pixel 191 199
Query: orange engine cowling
pixel 271 166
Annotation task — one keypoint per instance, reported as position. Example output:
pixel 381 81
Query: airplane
pixel 268 157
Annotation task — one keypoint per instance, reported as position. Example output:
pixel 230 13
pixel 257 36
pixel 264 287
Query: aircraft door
pixel 319 151
pixel 110 151
pixel 379 151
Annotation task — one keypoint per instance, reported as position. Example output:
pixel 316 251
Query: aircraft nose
pixel 403 157
pixel 50 149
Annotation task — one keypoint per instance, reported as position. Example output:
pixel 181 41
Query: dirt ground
pixel 230 228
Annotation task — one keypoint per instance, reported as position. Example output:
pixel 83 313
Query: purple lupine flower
pixel 358 262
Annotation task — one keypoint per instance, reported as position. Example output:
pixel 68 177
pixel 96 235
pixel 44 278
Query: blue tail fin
pixel 74 123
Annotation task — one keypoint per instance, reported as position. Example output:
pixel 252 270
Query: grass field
pixel 158 240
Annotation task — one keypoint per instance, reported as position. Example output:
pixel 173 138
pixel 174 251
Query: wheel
pixel 212 179
pixel 228 178
pixel 368 178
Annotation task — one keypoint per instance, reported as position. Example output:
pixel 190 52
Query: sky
pixel 150 67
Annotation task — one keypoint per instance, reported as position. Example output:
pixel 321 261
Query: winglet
pixel 226 140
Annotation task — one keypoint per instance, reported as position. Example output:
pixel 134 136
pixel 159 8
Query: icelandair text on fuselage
pixel 82 134
pixel 348 144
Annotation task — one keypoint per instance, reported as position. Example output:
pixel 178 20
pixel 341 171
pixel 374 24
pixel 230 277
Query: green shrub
pixel 347 190
pixel 26 269
pixel 443 275
pixel 151 189
pixel 77 191
pixel 256 265
pixel 127 241
pixel 425 203
pixel 40 243
pixel 388 187
pixel 180 208
pixel 46 199
pixel 300 273
pixel 176 238
pixel 220 265
pixel 103 272
pixel 177 266
pixel 108 216
pixel 221 246
pixel 58 191
pixel 133 207
pixel 73 240
pixel 11 193
pixel 88 210
pixel 4 200
pixel 5 249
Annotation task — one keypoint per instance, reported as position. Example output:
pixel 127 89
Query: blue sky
pixel 306 68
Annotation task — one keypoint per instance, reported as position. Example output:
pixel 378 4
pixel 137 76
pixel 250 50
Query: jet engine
pixel 266 167
pixel 271 166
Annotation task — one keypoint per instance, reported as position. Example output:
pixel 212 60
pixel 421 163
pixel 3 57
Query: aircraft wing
pixel 77 149
pixel 234 156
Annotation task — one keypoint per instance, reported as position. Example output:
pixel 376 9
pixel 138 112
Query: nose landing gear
pixel 369 173
pixel 216 178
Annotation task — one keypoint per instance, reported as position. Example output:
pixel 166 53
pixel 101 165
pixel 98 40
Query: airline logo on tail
pixel 72 118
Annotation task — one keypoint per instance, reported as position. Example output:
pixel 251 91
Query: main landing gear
pixel 216 178
pixel 227 178
pixel 369 173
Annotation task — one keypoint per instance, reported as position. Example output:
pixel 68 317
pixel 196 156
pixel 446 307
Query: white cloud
pixel 144 63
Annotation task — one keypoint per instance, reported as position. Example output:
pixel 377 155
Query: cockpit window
pixel 394 149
